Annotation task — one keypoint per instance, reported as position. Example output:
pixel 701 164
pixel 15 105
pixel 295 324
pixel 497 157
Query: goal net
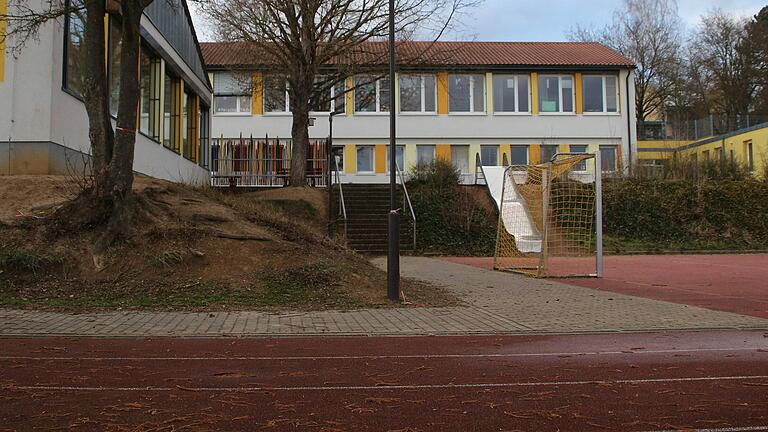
pixel 550 218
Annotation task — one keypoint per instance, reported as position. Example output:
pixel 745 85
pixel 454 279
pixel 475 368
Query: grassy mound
pixel 193 249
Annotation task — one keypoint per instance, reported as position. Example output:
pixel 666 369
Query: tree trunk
pixel 299 134
pixel 95 91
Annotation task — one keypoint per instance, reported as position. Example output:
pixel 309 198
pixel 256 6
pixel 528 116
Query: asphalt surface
pixel 714 381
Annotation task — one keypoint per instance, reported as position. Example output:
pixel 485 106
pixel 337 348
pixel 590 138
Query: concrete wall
pixel 43 128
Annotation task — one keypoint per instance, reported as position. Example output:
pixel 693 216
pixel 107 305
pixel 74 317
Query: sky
pixel 551 20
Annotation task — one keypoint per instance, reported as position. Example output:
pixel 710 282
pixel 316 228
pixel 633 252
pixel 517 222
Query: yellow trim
pixel 619 160
pixel 534 154
pixel 257 99
pixel 579 93
pixel 443 151
pixel 350 105
pixel 410 155
pixel 381 158
pixel 505 149
pixel 350 159
pixel 489 93
pixel 474 150
pixel 534 93
pixel 3 11
pixel 563 148
pixel 442 92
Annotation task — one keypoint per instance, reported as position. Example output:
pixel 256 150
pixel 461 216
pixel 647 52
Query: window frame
pixel 398 148
pixel 466 151
pixel 615 150
pixel 334 97
pixel 541 152
pixel 471 111
pixel 604 90
pixel 498 153
pixel 581 166
pixel 434 153
pixel 373 159
pixel 527 149
pixel 287 93
pixel 65 72
pixel 517 95
pixel 559 94
pixel 422 94
pixel 377 103
pixel 237 95
pixel 156 85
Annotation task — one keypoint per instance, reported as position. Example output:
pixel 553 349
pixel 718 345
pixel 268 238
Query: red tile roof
pixel 536 54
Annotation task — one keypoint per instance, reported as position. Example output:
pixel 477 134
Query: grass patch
pixel 308 286
pixel 15 259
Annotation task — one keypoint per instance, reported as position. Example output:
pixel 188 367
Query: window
pixel 232 93
pixel 519 155
pixel 74 37
pixel 168 111
pixel 276 94
pixel 556 94
pixel 425 154
pixel 510 93
pixel 399 157
pixel 336 101
pixel 370 95
pixel 466 93
pixel 581 166
pixel 460 157
pixel 418 93
pixel 149 103
pixel 600 93
pixel 547 152
pixel 113 64
pixel 337 152
pixel 186 116
pixel 202 150
pixel 750 156
pixel 608 158
pixel 365 156
pixel 489 155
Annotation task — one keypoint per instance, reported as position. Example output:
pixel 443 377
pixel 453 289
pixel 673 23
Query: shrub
pixel 449 218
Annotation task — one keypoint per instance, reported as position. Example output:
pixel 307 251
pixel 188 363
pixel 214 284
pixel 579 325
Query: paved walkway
pixel 495 303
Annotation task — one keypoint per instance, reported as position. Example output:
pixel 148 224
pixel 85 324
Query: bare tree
pixel 648 32
pixel 110 201
pixel 316 44
pixel 725 68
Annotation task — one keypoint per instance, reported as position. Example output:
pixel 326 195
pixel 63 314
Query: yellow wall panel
pixel 505 149
pixel 534 154
pixel 563 148
pixel 410 157
pixel 443 151
pixel 257 102
pixel 474 150
pixel 579 94
pixel 489 93
pixel 350 105
pixel 534 93
pixel 442 92
pixel 350 159
pixel 381 158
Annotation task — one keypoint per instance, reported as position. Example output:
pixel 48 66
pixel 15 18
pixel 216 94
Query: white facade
pixel 446 130
pixel 44 129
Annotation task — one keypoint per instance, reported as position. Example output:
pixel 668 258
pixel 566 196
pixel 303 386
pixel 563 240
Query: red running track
pixel 731 283
pixel 714 381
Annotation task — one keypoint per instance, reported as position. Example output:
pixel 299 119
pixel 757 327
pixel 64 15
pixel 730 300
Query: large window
pixel 460 158
pixel 365 155
pixel 425 154
pixel 232 93
pixel 202 150
pixel 511 93
pixel 581 166
pixel 151 87
pixel 186 116
pixel 608 158
pixel 489 155
pixel 547 152
pixel 750 155
pixel 519 155
pixel 168 111
pixel 466 93
pixel 556 94
pixel 399 157
pixel 336 100
pixel 601 94
pixel 418 93
pixel 74 51
pixel 276 97
pixel 371 94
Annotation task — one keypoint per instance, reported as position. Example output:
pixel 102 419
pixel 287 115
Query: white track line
pixel 394 356
pixel 391 387
pixel 727 429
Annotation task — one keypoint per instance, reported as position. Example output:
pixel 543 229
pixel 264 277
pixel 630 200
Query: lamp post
pixel 328 160
pixel 393 237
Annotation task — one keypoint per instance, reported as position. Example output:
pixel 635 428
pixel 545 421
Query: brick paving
pixel 495 303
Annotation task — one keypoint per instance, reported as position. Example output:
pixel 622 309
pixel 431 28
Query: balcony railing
pixel 694 130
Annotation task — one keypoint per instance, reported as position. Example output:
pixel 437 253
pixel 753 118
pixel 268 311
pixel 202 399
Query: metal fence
pixel 252 162
pixel 696 129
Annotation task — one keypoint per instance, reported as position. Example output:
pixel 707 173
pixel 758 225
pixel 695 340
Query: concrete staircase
pixel 367 208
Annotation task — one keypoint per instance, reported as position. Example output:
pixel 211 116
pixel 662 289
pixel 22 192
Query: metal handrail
pixel 342 204
pixel 408 199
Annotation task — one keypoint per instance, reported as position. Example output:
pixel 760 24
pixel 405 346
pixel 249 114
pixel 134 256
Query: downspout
pixel 629 123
